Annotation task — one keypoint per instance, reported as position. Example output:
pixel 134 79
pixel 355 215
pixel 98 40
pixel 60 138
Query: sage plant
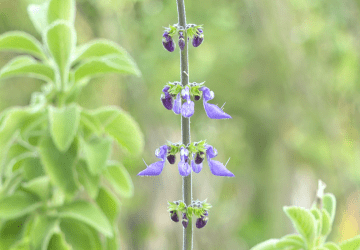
pixel 59 186
pixel 180 97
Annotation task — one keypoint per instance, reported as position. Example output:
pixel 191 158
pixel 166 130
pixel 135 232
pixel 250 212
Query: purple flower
pixel 177 105
pixel 171 159
pixel 183 165
pixel 199 157
pixel 174 216
pixel 216 167
pixel 187 109
pixel 185 220
pixel 181 40
pixel 212 110
pixel 168 42
pixel 167 99
pixel 198 38
pixel 202 221
pixel 157 167
pixel 196 167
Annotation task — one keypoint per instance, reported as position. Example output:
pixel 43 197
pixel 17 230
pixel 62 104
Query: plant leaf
pixel 39 186
pixel 17 205
pixel 351 244
pixel 331 246
pixel 266 245
pixel 326 223
pixel 287 242
pixel 27 66
pixel 109 204
pixel 304 222
pixel 87 213
pixel 119 178
pixel 113 243
pixel 60 39
pixel 57 242
pixel 64 123
pixel 42 229
pixel 96 67
pixel 38 15
pixel 19 41
pixel 329 204
pixel 122 127
pixel 90 182
pixel 79 235
pixel 97 151
pixel 61 10
pixel 11 232
pixel 59 165
pixel 32 168
pixel 11 184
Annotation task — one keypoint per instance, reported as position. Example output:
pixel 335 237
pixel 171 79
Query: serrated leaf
pixel 351 244
pixel 304 222
pixel 59 165
pixel 120 179
pixel 17 205
pixel 79 235
pixel 42 229
pixel 97 151
pixel 96 67
pixel 39 186
pixel 329 204
pixel 60 39
pixel 19 41
pixel 90 182
pixel 266 245
pixel 122 127
pixel 109 204
pixel 38 15
pixel 27 66
pixel 64 123
pixel 57 242
pixel 61 10
pixel 326 223
pixel 331 246
pixel 87 213
pixel 11 232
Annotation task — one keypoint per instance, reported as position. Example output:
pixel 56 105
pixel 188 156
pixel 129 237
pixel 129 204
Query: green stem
pixel 185 126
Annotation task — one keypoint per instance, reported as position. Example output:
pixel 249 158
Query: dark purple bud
pixel 185 220
pixel 197 40
pixel 168 42
pixel 199 31
pixel 199 157
pixel 202 221
pixel 167 101
pixel 171 159
pixel 197 98
pixel 174 216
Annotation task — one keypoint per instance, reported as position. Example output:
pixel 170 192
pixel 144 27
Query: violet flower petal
pixel 207 94
pixel 196 167
pixel 167 101
pixel 161 152
pixel 214 112
pixel 187 109
pixel 211 152
pixel 153 169
pixel 217 168
pixel 184 168
pixel 177 105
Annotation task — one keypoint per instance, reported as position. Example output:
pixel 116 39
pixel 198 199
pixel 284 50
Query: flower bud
pixel 168 42
pixel 181 40
pixel 171 159
pixel 174 216
pixel 199 157
pixel 197 98
pixel 167 101
pixel 185 220
pixel 198 38
pixel 202 221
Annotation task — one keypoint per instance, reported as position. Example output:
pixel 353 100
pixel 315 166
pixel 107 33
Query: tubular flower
pixel 185 220
pixel 157 167
pixel 202 221
pixel 168 42
pixel 212 110
pixel 174 216
pixel 197 164
pixel 167 99
pixel 198 38
pixel 216 167
pixel 187 109
pixel 184 168
pixel 177 105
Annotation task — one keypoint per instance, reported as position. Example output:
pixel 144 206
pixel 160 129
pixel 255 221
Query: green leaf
pixel 109 204
pixel 119 178
pixel 11 184
pixel 57 242
pixel 300 241
pixel 326 223
pixel 122 127
pixel 61 10
pixel 17 205
pixel 21 42
pixel 23 244
pixel 42 229
pixel 38 15
pixel 266 245
pixel 97 67
pixel 32 168
pixel 64 123
pixel 304 222
pixel 39 186
pixel 59 165
pixel 286 242
pixel 88 214
pixel 351 244
pixel 90 182
pixel 329 204
pixel 60 39
pixel 331 246
pixel 113 243
pixel 318 218
pixel 90 122
pixel 11 232
pixel 79 235
pixel 27 66
pixel 97 151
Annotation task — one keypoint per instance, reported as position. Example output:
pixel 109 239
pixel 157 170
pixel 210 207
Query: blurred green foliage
pixel 288 72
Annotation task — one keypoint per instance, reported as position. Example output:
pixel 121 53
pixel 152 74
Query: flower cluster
pixel 198 208
pixel 173 93
pixel 191 157
pixel 193 31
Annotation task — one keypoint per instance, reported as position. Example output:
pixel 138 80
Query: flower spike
pixel 212 110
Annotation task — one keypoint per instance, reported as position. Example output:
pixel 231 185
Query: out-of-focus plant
pixel 58 185
pixel 313 226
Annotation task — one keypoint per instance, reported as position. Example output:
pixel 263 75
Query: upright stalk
pixel 185 125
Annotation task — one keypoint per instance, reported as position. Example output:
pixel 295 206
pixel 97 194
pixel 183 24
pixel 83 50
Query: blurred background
pixel 288 71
